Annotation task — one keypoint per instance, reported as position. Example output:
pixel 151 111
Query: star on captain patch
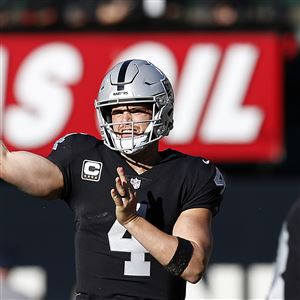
pixel 136 183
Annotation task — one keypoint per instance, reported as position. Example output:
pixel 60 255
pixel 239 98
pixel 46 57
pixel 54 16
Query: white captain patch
pixel 91 170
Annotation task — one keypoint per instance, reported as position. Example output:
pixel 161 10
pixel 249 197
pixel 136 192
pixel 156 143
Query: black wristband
pixel 181 258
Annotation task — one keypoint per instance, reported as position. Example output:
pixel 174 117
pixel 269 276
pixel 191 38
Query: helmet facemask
pixel 157 92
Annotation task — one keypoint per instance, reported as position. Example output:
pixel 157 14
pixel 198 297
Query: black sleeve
pixel 292 273
pixel 205 187
pixel 64 151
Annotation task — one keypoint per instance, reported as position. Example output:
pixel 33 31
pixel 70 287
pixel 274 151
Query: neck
pixel 144 160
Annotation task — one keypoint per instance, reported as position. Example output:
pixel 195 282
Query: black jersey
pixel 110 263
pixel 287 270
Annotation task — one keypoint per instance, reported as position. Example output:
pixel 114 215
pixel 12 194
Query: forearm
pixel 162 247
pixel 31 173
pixel 193 226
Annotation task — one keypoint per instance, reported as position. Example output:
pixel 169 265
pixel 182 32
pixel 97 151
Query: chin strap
pixel 131 144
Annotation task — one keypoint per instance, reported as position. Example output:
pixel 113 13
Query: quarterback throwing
pixel 143 216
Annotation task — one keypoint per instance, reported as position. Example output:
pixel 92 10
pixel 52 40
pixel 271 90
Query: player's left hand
pixel 124 198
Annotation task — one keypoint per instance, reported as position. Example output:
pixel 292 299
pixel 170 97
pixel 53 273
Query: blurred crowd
pixel 143 14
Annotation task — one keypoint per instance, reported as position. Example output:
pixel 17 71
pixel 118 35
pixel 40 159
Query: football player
pixel 285 284
pixel 143 216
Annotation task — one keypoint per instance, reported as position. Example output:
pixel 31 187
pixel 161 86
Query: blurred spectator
pixel 238 13
pixel 7 292
pixel 287 270
pixel 154 9
pixel 224 14
pixel 77 14
pixel 97 14
pixel 22 14
pixel 112 12
pixel 293 15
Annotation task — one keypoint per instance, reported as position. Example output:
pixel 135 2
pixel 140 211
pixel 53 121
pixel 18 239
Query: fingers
pixel 121 173
pixel 123 191
pixel 121 187
pixel 124 187
pixel 124 197
pixel 116 197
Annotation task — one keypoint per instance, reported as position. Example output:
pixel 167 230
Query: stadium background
pixel 262 183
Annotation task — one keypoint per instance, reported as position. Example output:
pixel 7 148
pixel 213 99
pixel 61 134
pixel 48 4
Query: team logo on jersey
pixel 136 183
pixel 91 170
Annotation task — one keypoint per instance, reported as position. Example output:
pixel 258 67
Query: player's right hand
pixel 125 199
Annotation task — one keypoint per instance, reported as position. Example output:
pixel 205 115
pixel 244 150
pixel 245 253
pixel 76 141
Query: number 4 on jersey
pixel 137 266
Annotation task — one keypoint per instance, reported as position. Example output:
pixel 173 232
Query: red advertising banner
pixel 228 88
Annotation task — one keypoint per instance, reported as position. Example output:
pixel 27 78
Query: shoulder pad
pixel 75 139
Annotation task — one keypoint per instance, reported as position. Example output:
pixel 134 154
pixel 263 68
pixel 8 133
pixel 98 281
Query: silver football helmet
pixel 135 82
